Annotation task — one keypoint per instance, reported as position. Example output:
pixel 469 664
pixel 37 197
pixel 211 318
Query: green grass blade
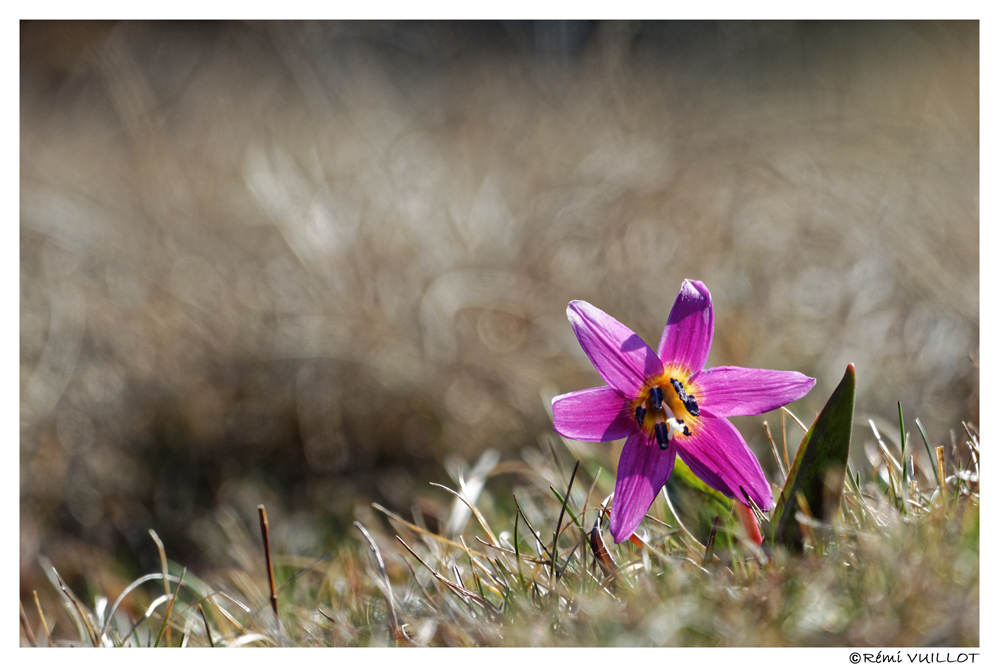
pixel 930 455
pixel 902 442
pixel 820 463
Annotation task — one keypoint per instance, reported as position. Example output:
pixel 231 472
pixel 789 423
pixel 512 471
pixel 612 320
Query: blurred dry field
pixel 309 265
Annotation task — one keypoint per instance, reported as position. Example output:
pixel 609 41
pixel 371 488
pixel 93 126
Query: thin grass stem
pixel 208 628
pixel 422 531
pixel 562 512
pixel 927 445
pixel 163 567
pixel 774 452
pixel 78 607
pixel 170 607
pixel 796 419
pixel 41 617
pixel 784 441
pixel 397 632
pixel 533 531
pixel 710 547
pixel 475 511
pixel 265 535
pixel 26 626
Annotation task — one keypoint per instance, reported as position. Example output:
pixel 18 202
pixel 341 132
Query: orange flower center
pixel 667 410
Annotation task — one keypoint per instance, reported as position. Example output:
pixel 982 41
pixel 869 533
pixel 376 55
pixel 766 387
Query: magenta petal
pixel 594 415
pixel 643 469
pixel 728 391
pixel 687 338
pixel 621 357
pixel 719 456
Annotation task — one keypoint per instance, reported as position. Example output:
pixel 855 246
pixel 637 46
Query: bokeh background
pixel 314 265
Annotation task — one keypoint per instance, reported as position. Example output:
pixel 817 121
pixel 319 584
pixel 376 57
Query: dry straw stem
pixel 41 616
pixel 463 593
pixel 444 540
pixel 475 511
pixel 798 421
pixel 774 452
pixel 266 537
pixel 477 563
pixel 942 481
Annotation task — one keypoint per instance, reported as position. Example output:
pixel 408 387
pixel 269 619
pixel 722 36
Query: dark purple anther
pixel 679 388
pixel 686 399
pixel 662 434
pixel 691 405
pixel 640 414
pixel 656 397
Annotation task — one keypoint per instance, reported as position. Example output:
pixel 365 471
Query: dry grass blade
pixel 784 441
pixel 386 586
pixel 423 531
pixel 41 617
pixel 420 584
pixel 475 511
pixel 27 626
pixel 225 614
pixel 774 452
pixel 475 562
pixel 939 455
pixel 973 438
pixel 798 421
pixel 889 458
pixel 510 552
pixel 460 590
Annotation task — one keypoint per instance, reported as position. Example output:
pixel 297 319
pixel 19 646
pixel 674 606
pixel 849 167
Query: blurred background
pixel 315 265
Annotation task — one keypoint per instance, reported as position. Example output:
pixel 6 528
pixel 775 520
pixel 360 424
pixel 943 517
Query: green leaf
pixel 818 470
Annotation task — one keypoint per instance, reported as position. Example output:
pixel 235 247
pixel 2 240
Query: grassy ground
pixel 898 566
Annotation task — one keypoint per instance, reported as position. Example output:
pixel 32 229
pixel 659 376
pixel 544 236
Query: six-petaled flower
pixel 667 404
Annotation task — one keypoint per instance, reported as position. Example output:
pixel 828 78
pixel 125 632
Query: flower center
pixel 658 411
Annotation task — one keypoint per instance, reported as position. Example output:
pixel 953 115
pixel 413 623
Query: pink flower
pixel 668 404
